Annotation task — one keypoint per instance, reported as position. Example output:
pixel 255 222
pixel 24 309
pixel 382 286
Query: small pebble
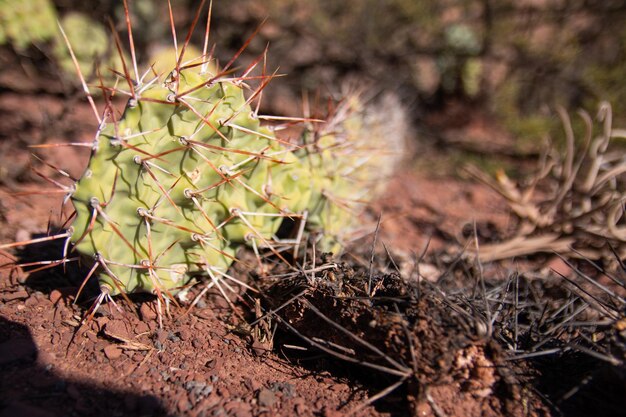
pixel 117 328
pixel 184 334
pixel 101 321
pixel 147 313
pixel 112 352
pixel 11 296
pixel 55 296
pixel 22 235
pixel 141 328
pixel 300 406
pixel 183 404
pixel 266 398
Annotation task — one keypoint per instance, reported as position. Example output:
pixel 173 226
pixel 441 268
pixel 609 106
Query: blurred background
pixel 482 76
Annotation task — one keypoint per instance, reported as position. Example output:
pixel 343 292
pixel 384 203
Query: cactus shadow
pixel 65 278
pixel 31 387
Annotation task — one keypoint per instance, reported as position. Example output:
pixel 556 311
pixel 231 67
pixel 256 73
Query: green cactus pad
pixel 179 182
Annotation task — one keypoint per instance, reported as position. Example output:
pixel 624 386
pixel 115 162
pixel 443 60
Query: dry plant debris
pixel 492 346
pixel 574 203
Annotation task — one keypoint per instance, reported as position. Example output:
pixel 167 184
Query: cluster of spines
pixel 196 168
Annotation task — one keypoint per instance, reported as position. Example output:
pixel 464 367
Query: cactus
pixel 180 181
pixel 188 174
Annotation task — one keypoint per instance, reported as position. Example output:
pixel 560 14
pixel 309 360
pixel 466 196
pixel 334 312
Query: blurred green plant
pixel 26 22
pixel 514 60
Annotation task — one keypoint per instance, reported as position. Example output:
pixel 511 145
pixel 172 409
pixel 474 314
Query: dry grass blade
pixel 127 343
pixel 357 338
pixel 340 355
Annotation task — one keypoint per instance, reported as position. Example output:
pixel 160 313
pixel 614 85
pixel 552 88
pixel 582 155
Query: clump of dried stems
pixel 574 204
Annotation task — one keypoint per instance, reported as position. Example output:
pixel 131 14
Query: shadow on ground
pixel 66 278
pixel 31 388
